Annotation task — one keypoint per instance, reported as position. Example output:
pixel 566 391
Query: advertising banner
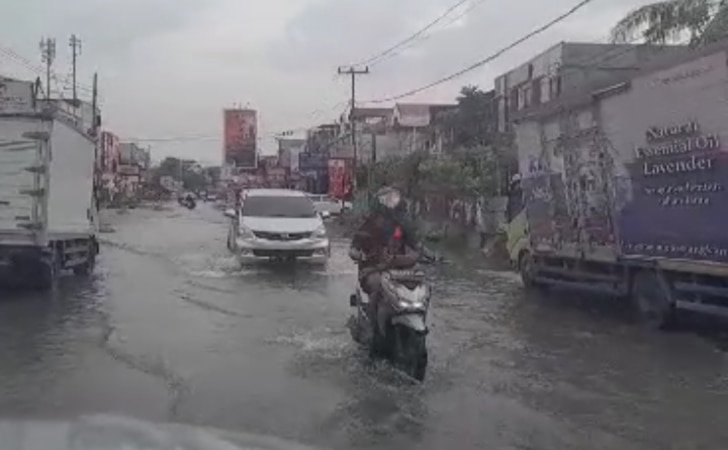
pixel 339 177
pixel 676 204
pixel 110 152
pixel 240 140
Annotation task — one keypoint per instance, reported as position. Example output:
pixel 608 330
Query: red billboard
pixel 340 177
pixel 109 157
pixel 240 140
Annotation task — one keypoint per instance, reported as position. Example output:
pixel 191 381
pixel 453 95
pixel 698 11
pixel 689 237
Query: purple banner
pixel 679 205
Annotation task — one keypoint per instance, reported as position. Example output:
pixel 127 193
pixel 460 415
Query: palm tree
pixel 668 21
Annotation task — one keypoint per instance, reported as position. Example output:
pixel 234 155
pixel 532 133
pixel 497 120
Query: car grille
pixel 281 236
pixel 282 253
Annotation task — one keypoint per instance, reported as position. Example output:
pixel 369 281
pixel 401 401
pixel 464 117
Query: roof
pixel 417 114
pixel 274 193
pixel 363 113
pixel 412 114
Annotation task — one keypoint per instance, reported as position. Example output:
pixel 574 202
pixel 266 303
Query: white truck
pixel 48 212
pixel 624 191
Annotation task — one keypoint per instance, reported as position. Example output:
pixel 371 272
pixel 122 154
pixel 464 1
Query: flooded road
pixel 169 329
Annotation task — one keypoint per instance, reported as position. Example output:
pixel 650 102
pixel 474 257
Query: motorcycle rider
pixel 385 239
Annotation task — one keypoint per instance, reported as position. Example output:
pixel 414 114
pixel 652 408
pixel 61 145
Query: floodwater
pixel 170 329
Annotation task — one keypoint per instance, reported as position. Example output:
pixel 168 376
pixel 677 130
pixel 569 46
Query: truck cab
pixel 516 226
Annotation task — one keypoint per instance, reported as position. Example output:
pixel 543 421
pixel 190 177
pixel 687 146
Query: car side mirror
pixel 325 214
pixel 230 213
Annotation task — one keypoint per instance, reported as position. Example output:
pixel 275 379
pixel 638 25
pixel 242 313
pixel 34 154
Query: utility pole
pixel 48 55
pixel 95 105
pixel 353 72
pixel 75 44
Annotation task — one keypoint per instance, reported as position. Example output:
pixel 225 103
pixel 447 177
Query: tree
pixel 471 123
pixel 668 21
pixel 185 170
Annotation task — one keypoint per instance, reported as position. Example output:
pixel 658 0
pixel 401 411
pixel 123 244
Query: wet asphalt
pixel 170 329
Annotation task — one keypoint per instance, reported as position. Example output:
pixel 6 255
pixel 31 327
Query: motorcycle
pixel 401 326
pixel 188 202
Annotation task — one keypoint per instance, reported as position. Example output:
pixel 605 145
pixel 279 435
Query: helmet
pixel 388 199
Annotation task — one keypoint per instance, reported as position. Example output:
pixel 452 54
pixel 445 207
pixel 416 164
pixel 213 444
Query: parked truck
pixel 48 212
pixel 624 191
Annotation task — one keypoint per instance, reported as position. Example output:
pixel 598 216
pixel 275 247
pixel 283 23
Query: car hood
pixel 115 432
pixel 282 224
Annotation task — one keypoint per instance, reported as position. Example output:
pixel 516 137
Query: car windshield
pixel 278 207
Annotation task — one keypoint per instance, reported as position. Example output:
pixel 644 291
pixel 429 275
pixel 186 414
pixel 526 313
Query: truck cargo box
pixel 46 179
pixel 639 170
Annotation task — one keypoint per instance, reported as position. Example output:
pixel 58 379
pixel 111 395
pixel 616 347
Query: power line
pixel 490 58
pixel 33 67
pixel 353 72
pixel 429 35
pixel 413 36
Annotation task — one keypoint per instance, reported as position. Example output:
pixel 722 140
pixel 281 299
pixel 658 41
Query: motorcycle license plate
pixel 405 274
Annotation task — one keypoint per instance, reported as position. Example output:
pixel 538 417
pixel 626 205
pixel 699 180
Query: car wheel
pixel 230 240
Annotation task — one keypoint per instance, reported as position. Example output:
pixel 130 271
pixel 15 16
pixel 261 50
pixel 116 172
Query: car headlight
pixel 245 232
pixel 320 232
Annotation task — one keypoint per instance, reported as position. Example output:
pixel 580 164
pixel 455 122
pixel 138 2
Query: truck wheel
pixel 88 267
pixel 652 299
pixel 527 269
pixel 48 271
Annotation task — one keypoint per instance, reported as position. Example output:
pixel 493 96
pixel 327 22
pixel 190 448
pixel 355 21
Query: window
pixel 514 99
pixel 294 207
pixel 536 89
pixel 527 96
pixel 555 86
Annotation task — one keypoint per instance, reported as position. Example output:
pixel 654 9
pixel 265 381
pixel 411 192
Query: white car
pixel 277 224
pixel 328 204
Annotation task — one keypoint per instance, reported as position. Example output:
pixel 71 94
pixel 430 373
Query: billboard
pixel 340 177
pixel 240 137
pixel 110 152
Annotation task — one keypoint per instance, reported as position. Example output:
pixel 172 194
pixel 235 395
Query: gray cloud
pixel 168 67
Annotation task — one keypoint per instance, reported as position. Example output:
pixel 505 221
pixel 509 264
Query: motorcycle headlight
pixel 320 232
pixel 403 304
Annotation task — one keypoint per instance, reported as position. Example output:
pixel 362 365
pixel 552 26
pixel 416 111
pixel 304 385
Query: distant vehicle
pixel 326 203
pixel 48 214
pixel 277 224
pixel 187 200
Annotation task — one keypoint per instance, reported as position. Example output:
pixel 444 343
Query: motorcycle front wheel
pixel 411 352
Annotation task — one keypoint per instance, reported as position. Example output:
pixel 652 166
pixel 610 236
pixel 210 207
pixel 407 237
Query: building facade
pixel 570 69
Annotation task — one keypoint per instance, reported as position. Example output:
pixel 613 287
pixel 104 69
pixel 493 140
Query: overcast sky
pixel 167 68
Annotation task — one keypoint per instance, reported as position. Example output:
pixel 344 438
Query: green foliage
pixel 476 162
pixel 668 21
pixel 468 173
pixel 471 124
pixel 188 171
